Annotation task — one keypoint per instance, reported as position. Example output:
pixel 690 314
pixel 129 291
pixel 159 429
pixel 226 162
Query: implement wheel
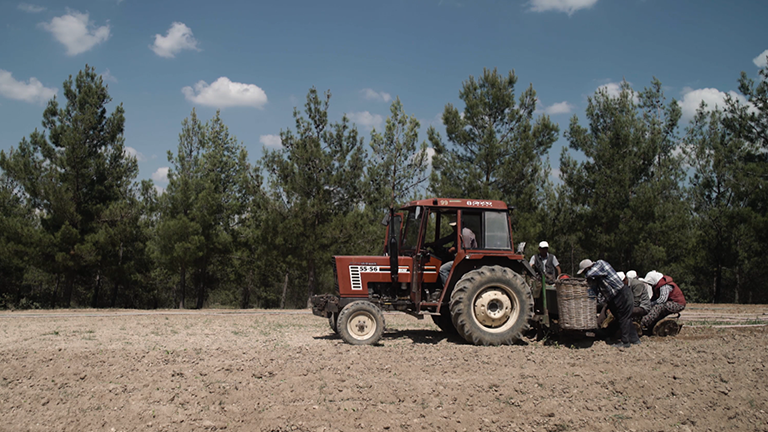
pixel 360 323
pixel 491 306
pixel 667 327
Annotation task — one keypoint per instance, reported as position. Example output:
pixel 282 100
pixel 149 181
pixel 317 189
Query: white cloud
pixel 435 121
pixel 613 89
pixel 107 76
pixel 555 174
pixel 159 189
pixel 371 94
pixel 33 91
pixel 76 32
pixel 760 61
pixel 559 108
pixel 271 141
pixel 30 8
pixel 224 93
pixel 179 37
pixel 139 156
pixel 567 6
pixel 161 174
pixel 713 97
pixel 366 119
pixel 430 155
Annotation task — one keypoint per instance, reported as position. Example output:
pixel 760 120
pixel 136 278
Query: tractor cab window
pixel 496 235
pixel 411 231
pixel 491 228
pixel 473 221
pixel 429 235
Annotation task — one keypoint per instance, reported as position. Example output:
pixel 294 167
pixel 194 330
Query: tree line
pixel 637 188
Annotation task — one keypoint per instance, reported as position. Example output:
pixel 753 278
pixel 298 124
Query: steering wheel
pixel 440 253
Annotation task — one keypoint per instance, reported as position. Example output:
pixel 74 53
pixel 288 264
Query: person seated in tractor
pixel 667 298
pixel 546 263
pixel 469 242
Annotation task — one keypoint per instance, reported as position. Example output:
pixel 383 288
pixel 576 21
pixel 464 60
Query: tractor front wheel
pixel 332 319
pixel 491 306
pixel 360 323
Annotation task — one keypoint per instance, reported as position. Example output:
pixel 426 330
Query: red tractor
pixel 486 296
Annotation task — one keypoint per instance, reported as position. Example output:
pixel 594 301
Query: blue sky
pixel 256 60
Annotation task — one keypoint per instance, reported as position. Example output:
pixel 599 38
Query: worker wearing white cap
pixel 640 294
pixel 667 298
pixel 546 263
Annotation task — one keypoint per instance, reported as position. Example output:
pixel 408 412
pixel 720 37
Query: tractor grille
pixel 335 277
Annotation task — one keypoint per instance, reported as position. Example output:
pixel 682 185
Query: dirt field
pixel 93 370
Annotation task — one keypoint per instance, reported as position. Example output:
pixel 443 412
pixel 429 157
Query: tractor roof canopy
pixel 458 203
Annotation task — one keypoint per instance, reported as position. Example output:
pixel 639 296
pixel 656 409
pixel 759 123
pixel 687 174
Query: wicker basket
pixel 577 305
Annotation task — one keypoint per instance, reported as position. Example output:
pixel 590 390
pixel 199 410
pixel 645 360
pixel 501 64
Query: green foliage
pixel 74 176
pixel 497 150
pixel 18 238
pixel 203 208
pixel 315 182
pixel 729 195
pixel 626 196
pixel 398 165
pixel 77 229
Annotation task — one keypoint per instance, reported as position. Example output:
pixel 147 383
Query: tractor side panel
pixel 430 269
pixel 353 273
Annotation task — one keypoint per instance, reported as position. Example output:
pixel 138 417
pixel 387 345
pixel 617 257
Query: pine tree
pixel 497 149
pixel 202 208
pixel 71 173
pixel 626 193
pixel 399 164
pixel 18 244
pixel 748 123
pixel 315 182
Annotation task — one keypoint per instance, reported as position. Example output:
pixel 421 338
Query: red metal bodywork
pixel 457 203
pixel 355 272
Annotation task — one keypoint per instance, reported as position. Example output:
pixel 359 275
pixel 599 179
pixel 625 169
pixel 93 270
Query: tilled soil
pixel 91 370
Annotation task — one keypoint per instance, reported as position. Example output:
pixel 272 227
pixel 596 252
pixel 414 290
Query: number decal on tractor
pixel 480 203
pixel 369 269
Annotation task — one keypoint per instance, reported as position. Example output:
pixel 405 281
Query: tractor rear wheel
pixel 491 306
pixel 444 321
pixel 360 323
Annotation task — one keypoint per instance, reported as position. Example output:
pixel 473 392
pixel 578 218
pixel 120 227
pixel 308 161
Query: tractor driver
pixel 468 239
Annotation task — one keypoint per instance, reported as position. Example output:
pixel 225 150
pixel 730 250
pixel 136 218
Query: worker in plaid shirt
pixel 602 276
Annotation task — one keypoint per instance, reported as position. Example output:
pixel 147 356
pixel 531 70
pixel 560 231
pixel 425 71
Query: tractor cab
pixel 455 236
pixel 451 259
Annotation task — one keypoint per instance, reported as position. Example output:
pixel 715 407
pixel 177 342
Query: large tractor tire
pixel 491 306
pixel 444 321
pixel 360 323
